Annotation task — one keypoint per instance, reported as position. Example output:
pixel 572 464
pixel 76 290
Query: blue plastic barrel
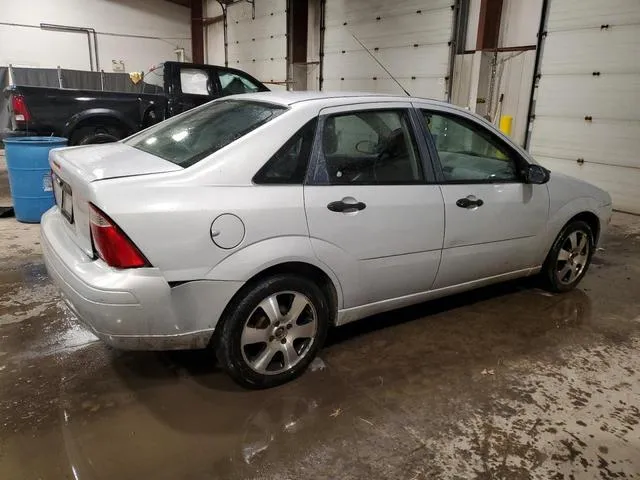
pixel 29 175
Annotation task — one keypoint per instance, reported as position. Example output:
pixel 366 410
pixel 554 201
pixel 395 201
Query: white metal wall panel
pixel 587 115
pixel 514 74
pixel 462 79
pixel 519 23
pixel 580 51
pixel 572 14
pixel 606 141
pixel 610 96
pixel 259 46
pixel 409 37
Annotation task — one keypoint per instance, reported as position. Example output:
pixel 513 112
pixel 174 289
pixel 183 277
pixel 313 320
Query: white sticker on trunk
pixel 46 183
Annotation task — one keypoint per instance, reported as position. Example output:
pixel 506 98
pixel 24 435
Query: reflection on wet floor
pixel 161 410
pixel 505 382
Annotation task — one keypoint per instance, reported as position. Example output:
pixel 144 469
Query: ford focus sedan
pixel 253 224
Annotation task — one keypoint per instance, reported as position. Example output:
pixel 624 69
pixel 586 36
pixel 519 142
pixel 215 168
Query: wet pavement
pixel 508 382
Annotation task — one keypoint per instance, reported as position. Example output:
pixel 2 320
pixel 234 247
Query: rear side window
pixel 370 147
pixel 188 138
pixel 194 81
pixel 289 165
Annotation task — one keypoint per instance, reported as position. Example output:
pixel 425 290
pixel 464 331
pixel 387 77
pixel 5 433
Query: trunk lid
pixel 74 170
pixel 111 160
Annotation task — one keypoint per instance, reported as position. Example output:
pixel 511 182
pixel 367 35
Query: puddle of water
pixel 392 397
pixel 25 293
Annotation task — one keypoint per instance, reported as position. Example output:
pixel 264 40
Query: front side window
pixel 194 81
pixel 370 147
pixel 188 138
pixel 232 84
pixel 468 152
pixel 289 165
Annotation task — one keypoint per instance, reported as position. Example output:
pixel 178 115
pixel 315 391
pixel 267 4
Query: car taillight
pixel 20 110
pixel 111 244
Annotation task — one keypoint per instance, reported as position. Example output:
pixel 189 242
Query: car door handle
pixel 341 206
pixel 469 202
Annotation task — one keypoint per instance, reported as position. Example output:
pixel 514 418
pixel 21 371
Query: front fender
pixel 559 218
pixel 253 259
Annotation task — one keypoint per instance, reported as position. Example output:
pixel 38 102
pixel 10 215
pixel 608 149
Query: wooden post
pixel 197 31
pixel 489 24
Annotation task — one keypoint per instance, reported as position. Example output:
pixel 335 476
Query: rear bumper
pixel 133 309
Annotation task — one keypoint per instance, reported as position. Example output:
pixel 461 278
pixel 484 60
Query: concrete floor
pixel 508 382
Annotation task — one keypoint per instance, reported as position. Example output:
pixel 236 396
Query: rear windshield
pixel 187 139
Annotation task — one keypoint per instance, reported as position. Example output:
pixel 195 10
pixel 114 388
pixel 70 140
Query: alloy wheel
pixel 279 333
pixel 572 257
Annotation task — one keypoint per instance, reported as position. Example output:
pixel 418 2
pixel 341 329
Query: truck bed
pixel 54 110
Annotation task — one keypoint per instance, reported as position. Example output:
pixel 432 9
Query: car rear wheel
pixel 96 134
pixel 569 258
pixel 273 331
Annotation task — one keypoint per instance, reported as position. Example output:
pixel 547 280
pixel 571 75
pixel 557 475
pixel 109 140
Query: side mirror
pixel 366 146
pixel 537 175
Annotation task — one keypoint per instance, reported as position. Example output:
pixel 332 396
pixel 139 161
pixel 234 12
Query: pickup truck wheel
pixel 96 134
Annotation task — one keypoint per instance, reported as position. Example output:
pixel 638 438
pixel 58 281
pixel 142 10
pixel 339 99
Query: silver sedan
pixel 254 223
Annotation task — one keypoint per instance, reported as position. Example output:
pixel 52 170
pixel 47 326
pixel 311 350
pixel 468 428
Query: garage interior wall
pixel 214 33
pixel 257 40
pixel 138 33
pixel 482 78
pixel 587 108
pixel 411 38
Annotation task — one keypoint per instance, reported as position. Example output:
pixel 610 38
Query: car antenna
pixel 381 65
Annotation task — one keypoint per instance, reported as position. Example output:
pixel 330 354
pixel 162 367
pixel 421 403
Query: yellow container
pixel 506 123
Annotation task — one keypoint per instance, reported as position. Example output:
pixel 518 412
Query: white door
pixel 372 217
pixel 410 38
pixel 494 221
pixel 587 115
pixel 257 39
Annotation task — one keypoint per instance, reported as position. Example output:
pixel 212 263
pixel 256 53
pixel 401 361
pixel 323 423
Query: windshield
pixel 188 138
pixel 153 80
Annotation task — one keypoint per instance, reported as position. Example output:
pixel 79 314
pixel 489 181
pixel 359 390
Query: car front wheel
pixel 569 258
pixel 272 332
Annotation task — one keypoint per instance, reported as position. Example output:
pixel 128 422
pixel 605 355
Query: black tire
pixel 236 359
pixel 552 271
pixel 96 134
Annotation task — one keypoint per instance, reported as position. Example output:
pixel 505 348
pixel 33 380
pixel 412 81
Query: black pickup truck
pixel 94 116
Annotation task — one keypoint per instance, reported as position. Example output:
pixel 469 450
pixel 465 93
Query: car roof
pixel 290 98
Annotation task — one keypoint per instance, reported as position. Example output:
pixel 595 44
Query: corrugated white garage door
pixel 587 113
pixel 259 46
pixel 411 38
